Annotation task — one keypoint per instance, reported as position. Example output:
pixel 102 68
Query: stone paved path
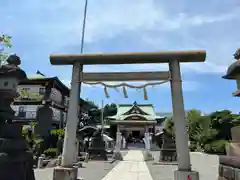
pixel 132 167
pixel 206 165
pixel 93 170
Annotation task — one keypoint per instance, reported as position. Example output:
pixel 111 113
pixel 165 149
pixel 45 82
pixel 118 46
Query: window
pixel 21 112
pixel 5 83
pixel 21 109
pixel 26 89
pixel 42 91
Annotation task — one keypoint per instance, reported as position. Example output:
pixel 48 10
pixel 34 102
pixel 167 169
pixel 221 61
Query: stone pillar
pixel 123 142
pixel 76 153
pixel 147 154
pixel 118 141
pixel 153 134
pixel 183 156
pixel 147 141
pixel 69 146
pixel 117 154
pixel 61 125
pixel 40 162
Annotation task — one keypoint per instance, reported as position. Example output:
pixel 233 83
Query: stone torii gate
pixel 173 58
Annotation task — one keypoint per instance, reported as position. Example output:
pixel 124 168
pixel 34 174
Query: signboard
pixel 135 118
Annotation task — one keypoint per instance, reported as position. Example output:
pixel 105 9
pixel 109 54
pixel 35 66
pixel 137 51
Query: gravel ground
pixel 206 165
pixel 93 170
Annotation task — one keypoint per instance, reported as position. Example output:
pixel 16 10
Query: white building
pixel 38 88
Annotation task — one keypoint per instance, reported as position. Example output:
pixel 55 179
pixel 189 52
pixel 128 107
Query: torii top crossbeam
pixel 128 58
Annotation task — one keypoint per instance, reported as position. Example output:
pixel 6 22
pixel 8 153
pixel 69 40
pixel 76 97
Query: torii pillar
pixel 174 58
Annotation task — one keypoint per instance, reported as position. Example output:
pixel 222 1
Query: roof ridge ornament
pixel 39 72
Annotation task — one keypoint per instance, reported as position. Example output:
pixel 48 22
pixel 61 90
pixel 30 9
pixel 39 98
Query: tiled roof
pixel 148 109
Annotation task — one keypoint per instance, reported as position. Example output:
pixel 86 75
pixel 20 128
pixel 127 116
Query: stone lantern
pixel 233 72
pixel 15 160
pixel 229 165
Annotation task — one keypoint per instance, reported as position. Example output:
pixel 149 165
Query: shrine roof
pixel 150 118
pixel 126 110
pixel 37 76
pixel 147 108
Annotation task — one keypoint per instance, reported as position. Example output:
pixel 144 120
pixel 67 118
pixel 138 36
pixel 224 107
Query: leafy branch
pixel 5 40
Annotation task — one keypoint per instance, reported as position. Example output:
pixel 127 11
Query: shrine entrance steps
pixel 136 146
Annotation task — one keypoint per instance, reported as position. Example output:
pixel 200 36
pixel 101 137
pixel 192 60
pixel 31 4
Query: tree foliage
pixel 208 133
pixel 5 41
pixel 110 110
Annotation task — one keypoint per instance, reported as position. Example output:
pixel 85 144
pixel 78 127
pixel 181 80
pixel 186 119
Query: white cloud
pixel 59 24
pixel 107 19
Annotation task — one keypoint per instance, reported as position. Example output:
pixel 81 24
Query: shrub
pixel 216 147
pixel 192 147
pixel 50 152
pixel 58 132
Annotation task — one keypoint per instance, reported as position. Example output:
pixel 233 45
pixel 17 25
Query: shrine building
pixel 136 119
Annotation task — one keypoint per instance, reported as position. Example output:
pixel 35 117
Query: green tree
pixel 110 110
pixel 202 133
pixel 211 133
pixel 208 133
pixel 200 130
pixel 5 40
pixel 192 122
pixel 223 121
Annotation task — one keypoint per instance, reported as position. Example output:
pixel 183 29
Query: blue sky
pixel 41 27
